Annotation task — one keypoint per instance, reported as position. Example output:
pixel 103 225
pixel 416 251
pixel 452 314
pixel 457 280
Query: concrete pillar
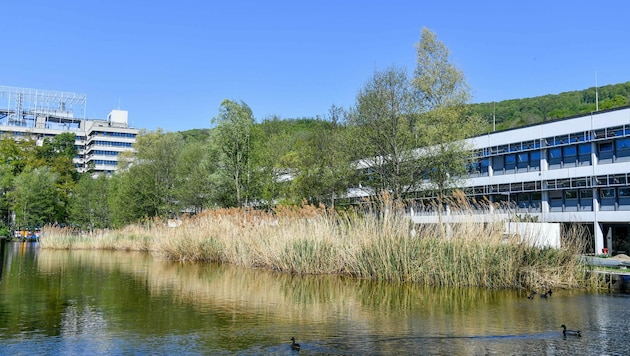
pixel 599 237
pixel 544 205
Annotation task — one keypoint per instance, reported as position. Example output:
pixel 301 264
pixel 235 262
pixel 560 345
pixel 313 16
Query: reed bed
pixel 378 242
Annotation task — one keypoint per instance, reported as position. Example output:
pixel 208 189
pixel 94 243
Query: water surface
pixel 102 302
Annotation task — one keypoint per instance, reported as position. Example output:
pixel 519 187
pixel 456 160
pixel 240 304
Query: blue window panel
pixel 570 150
pixel 622 150
pixel 570 156
pixel 585 149
pixel 523 158
pixel 606 152
pixel 623 144
pixel 555 153
pixel 534 156
pixel 510 162
pixel 624 198
pixel 555 158
pixel 534 160
pixel 498 164
pixel 605 147
pixel 586 199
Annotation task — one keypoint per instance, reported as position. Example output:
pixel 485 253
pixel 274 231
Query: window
pixel 534 160
pixel 570 155
pixel 570 150
pixel 555 153
pixel 607 193
pixel 555 200
pixel 586 194
pixel 523 158
pixel 570 194
pixel 605 147
pixel 498 164
pixel 622 146
pixel 606 152
pixel 510 161
pixel 483 166
pixel 522 161
pixel 473 167
pixel 523 200
pixel 580 182
pixel 624 192
pixel 555 157
pixel 584 151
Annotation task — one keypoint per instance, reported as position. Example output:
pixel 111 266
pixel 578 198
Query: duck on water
pixel 567 332
pixel 294 346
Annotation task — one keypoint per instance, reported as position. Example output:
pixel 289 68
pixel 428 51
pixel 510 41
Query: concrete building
pixel 40 114
pixel 572 170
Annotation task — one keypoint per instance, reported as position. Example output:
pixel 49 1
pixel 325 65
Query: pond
pixel 104 302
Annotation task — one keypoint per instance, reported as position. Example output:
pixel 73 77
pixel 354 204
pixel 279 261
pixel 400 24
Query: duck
pixel 546 294
pixel 531 295
pixel 566 332
pixel 294 346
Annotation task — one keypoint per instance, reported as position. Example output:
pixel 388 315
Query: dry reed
pixel 378 242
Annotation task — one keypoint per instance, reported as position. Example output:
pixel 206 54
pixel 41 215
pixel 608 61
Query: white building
pixel 572 170
pixel 43 113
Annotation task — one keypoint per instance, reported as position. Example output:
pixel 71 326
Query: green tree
pixel 194 188
pixel 324 170
pixel 146 186
pixel 89 207
pixel 444 121
pixel 384 136
pixel 35 197
pixel 6 186
pixel 273 144
pixel 17 154
pixel 232 139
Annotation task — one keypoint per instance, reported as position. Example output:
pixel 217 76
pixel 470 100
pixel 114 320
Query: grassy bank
pixel 380 246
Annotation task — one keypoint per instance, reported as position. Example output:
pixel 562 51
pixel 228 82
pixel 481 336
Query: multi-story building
pixel 572 170
pixel 40 114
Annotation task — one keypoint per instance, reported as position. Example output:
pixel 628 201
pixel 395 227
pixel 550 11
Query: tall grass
pixel 378 242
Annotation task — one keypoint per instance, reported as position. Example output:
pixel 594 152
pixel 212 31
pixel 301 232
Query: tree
pixel 17 155
pixel 384 122
pixel 232 139
pixel 6 185
pixel 195 169
pixel 273 150
pixel 444 121
pixel 146 186
pixel 35 198
pixel 89 207
pixel 324 166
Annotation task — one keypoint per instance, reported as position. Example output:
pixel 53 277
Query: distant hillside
pixel 508 113
pixel 519 112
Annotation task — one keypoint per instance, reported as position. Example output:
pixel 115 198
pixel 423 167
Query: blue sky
pixel 171 63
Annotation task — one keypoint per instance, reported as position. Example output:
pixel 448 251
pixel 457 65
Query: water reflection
pixel 133 303
pixel 2 244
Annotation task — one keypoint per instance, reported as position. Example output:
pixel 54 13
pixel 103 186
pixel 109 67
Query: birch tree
pixel 443 123
pixel 232 138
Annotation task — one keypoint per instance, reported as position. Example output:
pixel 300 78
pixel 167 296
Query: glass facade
pixel 599 147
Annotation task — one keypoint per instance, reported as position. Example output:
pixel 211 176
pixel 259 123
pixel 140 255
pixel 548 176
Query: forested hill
pixel 508 113
pixel 520 112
